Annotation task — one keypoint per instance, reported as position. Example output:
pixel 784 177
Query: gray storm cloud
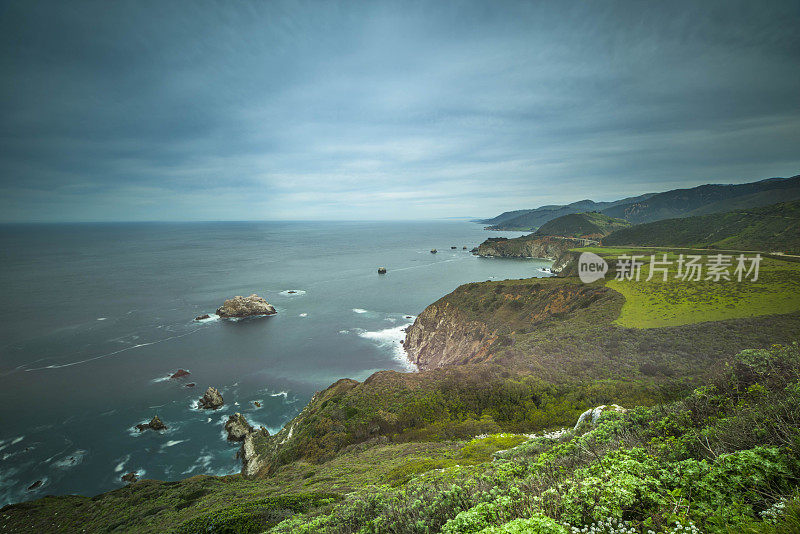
pixel 322 110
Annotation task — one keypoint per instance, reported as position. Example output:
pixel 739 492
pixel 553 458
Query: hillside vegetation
pixel 706 199
pixel 591 224
pixel 768 228
pixel 531 220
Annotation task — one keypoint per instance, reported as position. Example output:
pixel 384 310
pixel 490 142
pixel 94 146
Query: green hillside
pixel 773 228
pixel 709 198
pixel 530 220
pixel 582 224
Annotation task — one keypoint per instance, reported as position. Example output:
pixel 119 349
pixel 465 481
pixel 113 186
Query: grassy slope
pixel 768 228
pixel 581 224
pixel 676 302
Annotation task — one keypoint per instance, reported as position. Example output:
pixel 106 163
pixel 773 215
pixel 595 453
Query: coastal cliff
pixel 476 321
pixel 441 335
pixel 526 247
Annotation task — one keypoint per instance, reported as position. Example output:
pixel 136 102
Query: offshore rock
pixel 240 306
pixel 180 373
pixel 154 424
pixel 211 400
pixel 237 427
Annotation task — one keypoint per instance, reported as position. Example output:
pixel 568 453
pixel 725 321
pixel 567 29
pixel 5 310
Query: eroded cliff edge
pixel 477 320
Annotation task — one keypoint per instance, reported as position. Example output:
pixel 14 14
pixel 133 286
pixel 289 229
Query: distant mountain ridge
pixel 529 220
pixel 707 199
pixel 774 228
pixel 700 200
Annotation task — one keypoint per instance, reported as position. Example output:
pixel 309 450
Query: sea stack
pixel 211 400
pixel 240 306
pixel 237 427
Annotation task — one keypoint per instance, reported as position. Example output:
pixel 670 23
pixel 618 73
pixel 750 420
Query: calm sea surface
pixel 96 316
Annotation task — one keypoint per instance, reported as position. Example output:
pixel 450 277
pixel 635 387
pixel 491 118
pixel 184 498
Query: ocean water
pixel 95 318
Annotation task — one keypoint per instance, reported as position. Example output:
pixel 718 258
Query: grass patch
pixel 482 449
pixel 656 303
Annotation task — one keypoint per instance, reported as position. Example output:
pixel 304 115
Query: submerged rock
pixel 211 400
pixel 202 317
pixel 180 373
pixel 154 424
pixel 35 485
pixel 130 477
pixel 240 306
pixel 190 385
pixel 237 427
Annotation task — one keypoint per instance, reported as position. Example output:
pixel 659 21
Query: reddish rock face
pixel 180 373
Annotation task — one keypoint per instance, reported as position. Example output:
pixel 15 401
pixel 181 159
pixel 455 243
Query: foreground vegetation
pixel 724 459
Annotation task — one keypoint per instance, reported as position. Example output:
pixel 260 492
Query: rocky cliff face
pixel 477 321
pixel 526 247
pixel 442 335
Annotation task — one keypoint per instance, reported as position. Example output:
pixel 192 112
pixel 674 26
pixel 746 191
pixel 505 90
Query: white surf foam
pixel 294 292
pixel 391 340
pixel 71 460
pixel 303 315
pixel 211 317
pixel 283 394
pixel 172 443
pixel 359 310
pixel 101 318
pixel 121 465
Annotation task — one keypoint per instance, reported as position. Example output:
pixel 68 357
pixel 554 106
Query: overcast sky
pixel 132 110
